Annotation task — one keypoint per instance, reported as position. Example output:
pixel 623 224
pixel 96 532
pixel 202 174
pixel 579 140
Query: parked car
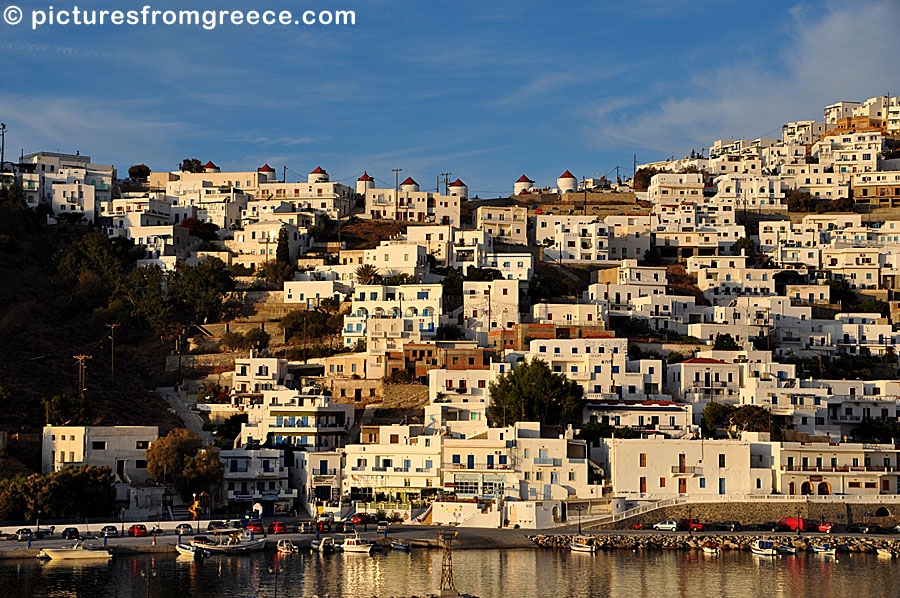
pixel 256 527
pixel 727 526
pixel 138 530
pixel 690 524
pixel 808 525
pixel 865 528
pixel 382 527
pixel 184 529
pixel 324 525
pixel 71 533
pixel 109 531
pixel 24 534
pixel 213 525
pixel 361 519
pixel 303 527
pixel 277 527
pixel 669 525
pixel 349 528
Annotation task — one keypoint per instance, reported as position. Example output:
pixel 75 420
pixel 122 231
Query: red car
pixel 256 527
pixel 691 525
pixel 277 527
pixel 361 519
pixel 137 530
pixel 324 526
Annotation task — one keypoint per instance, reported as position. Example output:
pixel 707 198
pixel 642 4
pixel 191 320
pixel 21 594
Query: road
pixel 192 421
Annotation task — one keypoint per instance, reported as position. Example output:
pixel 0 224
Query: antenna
pixel 446 176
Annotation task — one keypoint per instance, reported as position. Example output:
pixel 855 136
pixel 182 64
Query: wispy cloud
pixel 826 57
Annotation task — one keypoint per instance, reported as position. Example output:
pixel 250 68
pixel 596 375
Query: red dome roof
pixel 265 168
pixel 365 177
pixel 457 183
pixel 318 170
pixel 567 175
pixel 210 165
pixel 524 179
pixel 409 181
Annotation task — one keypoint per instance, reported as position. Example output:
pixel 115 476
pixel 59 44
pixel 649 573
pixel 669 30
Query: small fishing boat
pixel 786 549
pixel 582 544
pixel 763 548
pixel 398 545
pixel 886 553
pixel 325 545
pixel 190 550
pixel 824 549
pixel 287 547
pixel 79 551
pixel 710 547
pixel 227 542
pixel 358 545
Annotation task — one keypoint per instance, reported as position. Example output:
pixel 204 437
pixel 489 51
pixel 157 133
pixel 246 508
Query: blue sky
pixel 485 90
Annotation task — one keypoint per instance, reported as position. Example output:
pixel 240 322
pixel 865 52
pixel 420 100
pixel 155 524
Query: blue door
pixel 546 491
pixel 470 462
pixel 490 461
pixel 721 485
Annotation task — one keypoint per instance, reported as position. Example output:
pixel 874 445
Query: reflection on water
pixel 515 573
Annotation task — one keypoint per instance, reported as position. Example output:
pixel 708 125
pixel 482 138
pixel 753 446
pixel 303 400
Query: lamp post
pixel 148 576
pixel 123 522
pixel 275 570
pixel 579 509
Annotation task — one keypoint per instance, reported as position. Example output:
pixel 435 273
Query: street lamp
pixel 123 522
pixel 579 509
pixel 275 570
pixel 148 575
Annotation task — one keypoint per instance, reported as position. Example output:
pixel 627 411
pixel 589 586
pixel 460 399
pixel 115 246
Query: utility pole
pixel 81 372
pixel 396 172
pixel 634 170
pixel 446 176
pixel 2 145
pixel 112 350
pixel 284 173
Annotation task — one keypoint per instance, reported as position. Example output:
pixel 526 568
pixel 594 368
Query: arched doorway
pixel 824 488
pixel 792 488
pixel 882 512
pixel 806 488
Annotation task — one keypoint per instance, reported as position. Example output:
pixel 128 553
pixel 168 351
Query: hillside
pixel 41 330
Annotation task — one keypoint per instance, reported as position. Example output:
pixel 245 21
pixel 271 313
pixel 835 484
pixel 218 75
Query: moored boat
pixel 357 545
pixel 710 547
pixel 823 549
pixel 79 551
pixel 401 546
pixel 885 552
pixel 287 547
pixel 582 544
pixel 227 542
pixel 324 545
pixel 763 548
pixel 786 549
pixel 191 550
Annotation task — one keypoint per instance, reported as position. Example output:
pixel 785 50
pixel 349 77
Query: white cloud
pixel 839 53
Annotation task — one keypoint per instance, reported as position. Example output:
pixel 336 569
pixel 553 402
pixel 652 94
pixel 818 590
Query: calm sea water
pixel 515 573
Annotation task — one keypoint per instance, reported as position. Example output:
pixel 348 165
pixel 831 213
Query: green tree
pixel 452 289
pixel 841 292
pixel 64 410
pixel 205 231
pixel 367 274
pixel 257 338
pixel 531 392
pixel 642 178
pixel 72 492
pixel 750 249
pixel 214 393
pixel 198 291
pixel 139 172
pixel 96 255
pixel 749 418
pixel 874 306
pixel 167 456
pixel 308 324
pixel 202 472
pixel 725 342
pixel 190 165
pixel 283 250
pixel 144 292
pixel 233 341
pixel 594 431
pixel 231 427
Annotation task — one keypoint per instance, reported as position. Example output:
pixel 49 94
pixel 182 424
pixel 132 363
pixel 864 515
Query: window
pixel 142 445
pixel 721 460
pixel 703 482
pixel 571 476
pixel 853 484
pixel 662 482
pixel 98 445
pixel 643 459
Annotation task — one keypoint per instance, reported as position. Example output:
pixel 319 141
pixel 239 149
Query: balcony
pixel 839 468
pixel 547 461
pixel 686 470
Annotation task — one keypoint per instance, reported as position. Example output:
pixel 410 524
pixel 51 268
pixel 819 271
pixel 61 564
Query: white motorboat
pixel 191 550
pixel 823 549
pixel 324 545
pixel 78 551
pixel 885 552
pixel 786 549
pixel 398 545
pixel 358 545
pixel 287 547
pixel 710 547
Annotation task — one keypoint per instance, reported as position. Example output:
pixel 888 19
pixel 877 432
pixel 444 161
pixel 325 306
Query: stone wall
pixel 762 512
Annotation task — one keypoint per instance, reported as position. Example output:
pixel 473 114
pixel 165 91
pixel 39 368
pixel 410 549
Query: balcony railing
pixel 548 461
pixel 839 468
pixel 685 469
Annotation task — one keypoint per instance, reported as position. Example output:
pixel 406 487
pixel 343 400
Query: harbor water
pixel 485 573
